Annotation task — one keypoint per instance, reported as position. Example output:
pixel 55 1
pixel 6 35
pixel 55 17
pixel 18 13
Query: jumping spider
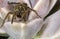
pixel 20 10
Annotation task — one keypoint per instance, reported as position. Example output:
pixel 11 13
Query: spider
pixel 20 10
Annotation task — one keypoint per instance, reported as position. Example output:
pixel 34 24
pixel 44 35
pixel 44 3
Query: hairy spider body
pixel 20 10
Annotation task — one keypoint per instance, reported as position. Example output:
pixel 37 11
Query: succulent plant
pixel 47 27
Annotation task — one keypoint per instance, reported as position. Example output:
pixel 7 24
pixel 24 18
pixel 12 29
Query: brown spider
pixel 20 10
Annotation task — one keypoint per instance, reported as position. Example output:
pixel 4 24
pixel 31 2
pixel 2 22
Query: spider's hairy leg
pixel 35 12
pixel 5 19
pixel 13 17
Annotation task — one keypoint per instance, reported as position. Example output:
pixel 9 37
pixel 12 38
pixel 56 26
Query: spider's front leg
pixel 5 19
pixel 14 16
pixel 35 12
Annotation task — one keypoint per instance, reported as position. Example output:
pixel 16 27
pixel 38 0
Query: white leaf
pixel 23 30
pixel 52 24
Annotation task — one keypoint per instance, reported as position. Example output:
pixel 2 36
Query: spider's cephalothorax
pixel 20 10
